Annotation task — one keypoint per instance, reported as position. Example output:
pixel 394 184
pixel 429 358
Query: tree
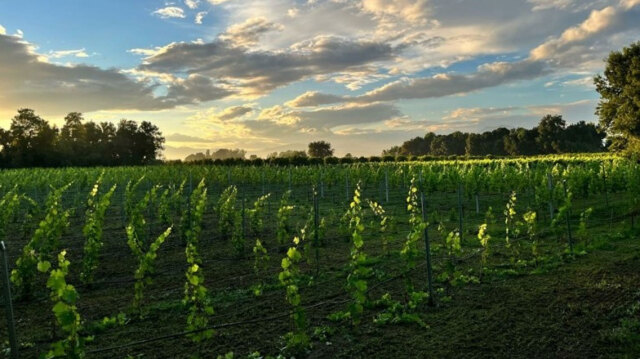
pixel 30 141
pixel 72 143
pixel 550 131
pixel 320 149
pixel 619 106
pixel 220 154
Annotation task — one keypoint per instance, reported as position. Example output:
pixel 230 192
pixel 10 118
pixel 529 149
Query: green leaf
pixel 44 266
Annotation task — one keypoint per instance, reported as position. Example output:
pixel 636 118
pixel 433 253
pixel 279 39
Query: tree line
pixel 552 135
pixel 32 141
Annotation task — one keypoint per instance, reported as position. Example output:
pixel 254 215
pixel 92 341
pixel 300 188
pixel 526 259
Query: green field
pixel 554 275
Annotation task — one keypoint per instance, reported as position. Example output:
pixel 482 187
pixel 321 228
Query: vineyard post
pixel 550 186
pixel 122 208
pixel 322 183
pixel 428 252
pixel 243 219
pixel 460 218
pixel 149 210
pixel 568 215
pixel 386 184
pixel 269 206
pixel 189 195
pixel 290 179
pixel 229 176
pixel 347 186
pixel 477 204
pixel 404 178
pixel 262 180
pixel 606 194
pixel 316 205
pixel 8 305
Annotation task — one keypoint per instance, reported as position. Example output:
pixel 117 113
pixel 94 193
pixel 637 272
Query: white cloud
pixel 313 98
pixel 550 4
pixel 200 16
pixel 255 73
pixel 408 10
pixel 440 85
pixel 192 4
pixel 584 82
pixel 145 52
pixel 249 32
pixel 28 80
pixel 597 21
pixel 170 12
pixel 67 53
pixel 628 4
pixel 234 112
pixel 3 31
pixel 279 118
pixel 562 108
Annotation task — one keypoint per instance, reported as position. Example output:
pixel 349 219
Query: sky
pixel 272 75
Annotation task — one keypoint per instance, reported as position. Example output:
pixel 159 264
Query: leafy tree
pixel 552 135
pixel 72 142
pixel 550 131
pixel 30 140
pixel 619 106
pixel 320 149
pixel 220 154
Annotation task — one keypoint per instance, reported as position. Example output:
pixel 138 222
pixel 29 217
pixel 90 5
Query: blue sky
pixel 269 75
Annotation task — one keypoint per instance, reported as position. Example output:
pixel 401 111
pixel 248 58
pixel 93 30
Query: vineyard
pixel 258 261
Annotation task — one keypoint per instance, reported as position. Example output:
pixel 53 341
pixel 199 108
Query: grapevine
pixel 296 341
pixel 64 296
pixel 43 243
pixel 92 230
pixel 146 268
pixel 196 296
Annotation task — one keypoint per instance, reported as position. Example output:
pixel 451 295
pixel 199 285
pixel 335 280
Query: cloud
pixel 588 42
pixel 550 4
pixel 475 113
pixel 194 89
pixel 584 82
pixel 628 4
pixel 179 137
pixel 170 12
pixel 144 52
pixel 248 33
pixel 440 85
pixel 192 4
pixel 597 21
pixel 231 113
pixel 564 108
pixel 326 119
pixel 200 16
pixel 29 80
pixel 488 75
pixel 258 72
pixel 3 31
pixel 313 98
pixel 66 53
pixel 408 10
